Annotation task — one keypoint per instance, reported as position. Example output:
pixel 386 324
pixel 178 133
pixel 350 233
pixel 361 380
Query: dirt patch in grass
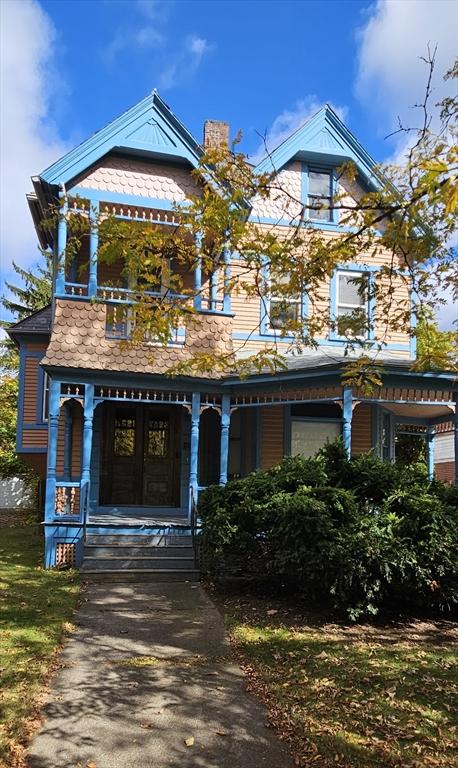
pixel 36 606
pixel 350 696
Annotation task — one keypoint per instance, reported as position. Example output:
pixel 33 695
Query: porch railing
pixel 67 499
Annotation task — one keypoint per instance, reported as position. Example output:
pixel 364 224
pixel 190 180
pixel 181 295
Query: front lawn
pixel 35 608
pixel 358 696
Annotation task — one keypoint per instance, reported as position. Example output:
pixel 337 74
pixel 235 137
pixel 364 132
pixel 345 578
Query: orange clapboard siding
pixel 272 436
pixel 30 389
pixel 35 438
pixel 445 471
pixel 361 430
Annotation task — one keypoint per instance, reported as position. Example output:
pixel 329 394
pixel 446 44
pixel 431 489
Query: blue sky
pixel 70 66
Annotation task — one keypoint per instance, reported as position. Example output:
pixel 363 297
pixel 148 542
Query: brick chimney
pixel 216 134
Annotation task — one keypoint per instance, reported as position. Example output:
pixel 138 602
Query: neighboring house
pixel 444 454
pixel 122 446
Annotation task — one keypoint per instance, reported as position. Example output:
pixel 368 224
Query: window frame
pixel 358 270
pixel 311 420
pixel 266 329
pixel 329 169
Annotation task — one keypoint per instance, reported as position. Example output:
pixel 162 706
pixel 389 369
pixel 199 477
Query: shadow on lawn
pixel 379 696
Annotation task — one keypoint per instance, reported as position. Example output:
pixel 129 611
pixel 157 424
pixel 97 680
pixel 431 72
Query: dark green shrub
pixel 360 533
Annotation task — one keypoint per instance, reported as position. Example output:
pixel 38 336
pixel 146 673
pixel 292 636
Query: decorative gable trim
pixel 149 126
pixel 323 139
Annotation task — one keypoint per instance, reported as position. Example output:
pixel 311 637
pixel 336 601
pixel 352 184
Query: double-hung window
pixel 352 304
pixel 320 190
pixel 284 307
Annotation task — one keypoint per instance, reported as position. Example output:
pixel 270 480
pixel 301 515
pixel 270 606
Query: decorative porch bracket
pixel 347 414
pixel 225 424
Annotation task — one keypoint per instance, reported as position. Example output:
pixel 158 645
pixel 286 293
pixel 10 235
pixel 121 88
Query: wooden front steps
pixel 139 557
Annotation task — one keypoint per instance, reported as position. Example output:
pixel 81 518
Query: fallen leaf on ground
pixel 189 742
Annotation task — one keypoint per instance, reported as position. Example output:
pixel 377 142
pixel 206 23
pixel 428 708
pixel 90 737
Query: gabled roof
pixel 324 138
pixel 38 323
pixel 148 127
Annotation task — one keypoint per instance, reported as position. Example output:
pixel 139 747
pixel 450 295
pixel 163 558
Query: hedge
pixel 359 534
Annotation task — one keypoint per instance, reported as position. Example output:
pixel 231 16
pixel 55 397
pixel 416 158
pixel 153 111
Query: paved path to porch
pixel 106 710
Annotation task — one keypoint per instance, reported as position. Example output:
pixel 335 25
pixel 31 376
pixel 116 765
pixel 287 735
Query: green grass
pixel 35 608
pixel 356 697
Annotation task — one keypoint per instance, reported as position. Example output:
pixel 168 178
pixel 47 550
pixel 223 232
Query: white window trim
pixel 311 211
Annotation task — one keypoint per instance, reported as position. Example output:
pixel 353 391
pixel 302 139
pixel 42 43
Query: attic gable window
pixel 320 193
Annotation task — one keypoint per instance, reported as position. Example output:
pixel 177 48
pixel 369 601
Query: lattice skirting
pixel 65 554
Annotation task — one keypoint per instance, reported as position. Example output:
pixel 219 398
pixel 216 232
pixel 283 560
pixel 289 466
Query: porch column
pixel 225 424
pixel 61 247
pixel 347 413
pixel 93 248
pixel 213 289
pixel 88 418
pixel 194 458
pixel 198 275
pixel 455 429
pixel 68 442
pixel 53 430
pixel 430 434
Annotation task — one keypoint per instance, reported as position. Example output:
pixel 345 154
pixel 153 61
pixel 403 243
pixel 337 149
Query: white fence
pixel 14 494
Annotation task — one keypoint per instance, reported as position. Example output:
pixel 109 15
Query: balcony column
pixel 53 431
pixel 61 246
pixel 225 424
pixel 213 289
pixel 194 458
pixel 455 442
pixel 347 414
pixel 198 274
pixel 88 418
pixel 227 279
pixel 430 451
pixel 93 247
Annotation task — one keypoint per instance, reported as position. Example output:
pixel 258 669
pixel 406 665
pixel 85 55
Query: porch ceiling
pixel 420 410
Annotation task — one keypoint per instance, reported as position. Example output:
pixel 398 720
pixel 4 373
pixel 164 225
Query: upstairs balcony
pixel 84 276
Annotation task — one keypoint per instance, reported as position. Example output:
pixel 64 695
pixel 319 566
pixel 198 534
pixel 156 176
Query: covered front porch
pixel 124 458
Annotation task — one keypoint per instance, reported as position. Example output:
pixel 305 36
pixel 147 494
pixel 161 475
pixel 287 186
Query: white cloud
pixel 185 63
pixel 145 37
pixel 29 141
pixel 289 121
pixel 391 77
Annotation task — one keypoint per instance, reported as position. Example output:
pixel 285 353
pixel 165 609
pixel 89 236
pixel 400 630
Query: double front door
pixel 141 456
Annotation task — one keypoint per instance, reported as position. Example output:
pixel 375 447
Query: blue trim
pixel 61 246
pixel 340 145
pixel 347 414
pixel 198 274
pixel 97 196
pixel 239 336
pixel 94 209
pixel 194 454
pixel 33 449
pixel 430 452
pixel 327 226
pixel 225 425
pixel 176 140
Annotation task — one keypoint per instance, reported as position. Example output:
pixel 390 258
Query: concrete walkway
pixel 147 669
